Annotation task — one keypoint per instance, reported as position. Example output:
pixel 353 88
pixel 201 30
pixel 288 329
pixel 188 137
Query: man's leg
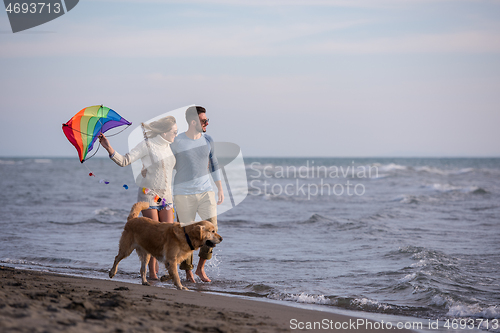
pixel 207 209
pixel 185 206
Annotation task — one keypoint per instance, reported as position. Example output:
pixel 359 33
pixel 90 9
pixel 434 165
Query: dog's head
pixel 208 233
pixel 203 233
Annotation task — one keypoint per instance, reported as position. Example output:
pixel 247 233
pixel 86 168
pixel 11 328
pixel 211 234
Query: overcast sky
pixel 333 78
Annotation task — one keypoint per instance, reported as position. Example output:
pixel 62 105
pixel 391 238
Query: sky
pixel 296 78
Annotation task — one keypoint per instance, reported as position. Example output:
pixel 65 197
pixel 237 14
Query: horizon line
pixel 319 157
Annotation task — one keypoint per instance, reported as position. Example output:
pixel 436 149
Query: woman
pixel 155 183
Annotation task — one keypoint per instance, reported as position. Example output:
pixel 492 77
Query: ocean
pixel 408 237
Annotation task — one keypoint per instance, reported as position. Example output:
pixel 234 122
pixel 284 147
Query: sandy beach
pixel 33 301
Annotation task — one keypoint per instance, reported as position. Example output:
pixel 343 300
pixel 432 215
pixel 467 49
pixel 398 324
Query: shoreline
pixel 33 301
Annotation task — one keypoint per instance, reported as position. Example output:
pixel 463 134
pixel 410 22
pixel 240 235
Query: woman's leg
pixel 152 214
pixel 166 216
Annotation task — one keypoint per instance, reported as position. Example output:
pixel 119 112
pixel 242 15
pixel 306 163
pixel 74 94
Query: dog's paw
pixel 111 274
pixel 182 288
pixel 165 278
pixel 146 283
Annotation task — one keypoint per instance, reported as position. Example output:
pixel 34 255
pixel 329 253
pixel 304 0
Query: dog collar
pixel 188 240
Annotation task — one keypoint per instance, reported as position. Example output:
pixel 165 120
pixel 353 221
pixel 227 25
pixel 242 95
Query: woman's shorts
pixel 158 208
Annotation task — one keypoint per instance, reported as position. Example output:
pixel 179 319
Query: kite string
pixel 125 186
pixel 99 146
pixel 90 171
pixel 120 131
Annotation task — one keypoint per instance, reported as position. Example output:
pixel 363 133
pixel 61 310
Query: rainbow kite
pixel 83 129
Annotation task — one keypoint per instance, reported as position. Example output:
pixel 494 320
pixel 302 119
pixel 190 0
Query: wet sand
pixel 33 301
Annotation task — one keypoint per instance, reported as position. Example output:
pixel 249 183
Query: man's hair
pixel 192 113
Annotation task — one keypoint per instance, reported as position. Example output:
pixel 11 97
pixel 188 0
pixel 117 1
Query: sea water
pixel 401 236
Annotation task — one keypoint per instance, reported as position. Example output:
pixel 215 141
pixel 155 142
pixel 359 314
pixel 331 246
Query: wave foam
pixel 89 221
pixel 391 167
pixel 448 188
pixel 367 303
pixel 108 211
pixel 303 298
pixel 474 311
pixel 18 262
pixel 408 278
pixel 442 172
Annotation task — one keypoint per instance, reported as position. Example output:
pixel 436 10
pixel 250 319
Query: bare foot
pixel 190 276
pixel 201 273
pixel 153 277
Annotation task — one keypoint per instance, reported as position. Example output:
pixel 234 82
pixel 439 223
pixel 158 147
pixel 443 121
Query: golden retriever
pixel 167 242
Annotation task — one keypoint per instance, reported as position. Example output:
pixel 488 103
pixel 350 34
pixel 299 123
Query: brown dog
pixel 168 242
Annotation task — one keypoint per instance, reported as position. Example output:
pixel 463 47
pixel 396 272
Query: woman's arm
pixel 103 140
pixel 135 154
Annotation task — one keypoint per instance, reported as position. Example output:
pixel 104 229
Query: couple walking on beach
pixel 189 154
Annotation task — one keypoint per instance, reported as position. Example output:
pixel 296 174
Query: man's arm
pixel 220 195
pixel 213 166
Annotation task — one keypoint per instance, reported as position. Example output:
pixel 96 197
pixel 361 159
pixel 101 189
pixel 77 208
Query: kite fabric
pixel 83 129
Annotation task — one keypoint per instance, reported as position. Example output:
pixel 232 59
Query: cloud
pixel 128 42
pixel 272 32
pixel 299 39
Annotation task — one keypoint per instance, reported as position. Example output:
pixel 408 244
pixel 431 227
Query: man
pixel 194 152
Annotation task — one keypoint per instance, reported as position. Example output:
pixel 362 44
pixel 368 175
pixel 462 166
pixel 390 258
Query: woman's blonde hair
pixel 160 126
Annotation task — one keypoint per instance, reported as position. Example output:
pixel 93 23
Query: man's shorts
pixel 186 207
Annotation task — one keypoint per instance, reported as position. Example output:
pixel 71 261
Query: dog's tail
pixel 136 209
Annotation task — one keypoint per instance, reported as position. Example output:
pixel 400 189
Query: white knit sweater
pixel 159 161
